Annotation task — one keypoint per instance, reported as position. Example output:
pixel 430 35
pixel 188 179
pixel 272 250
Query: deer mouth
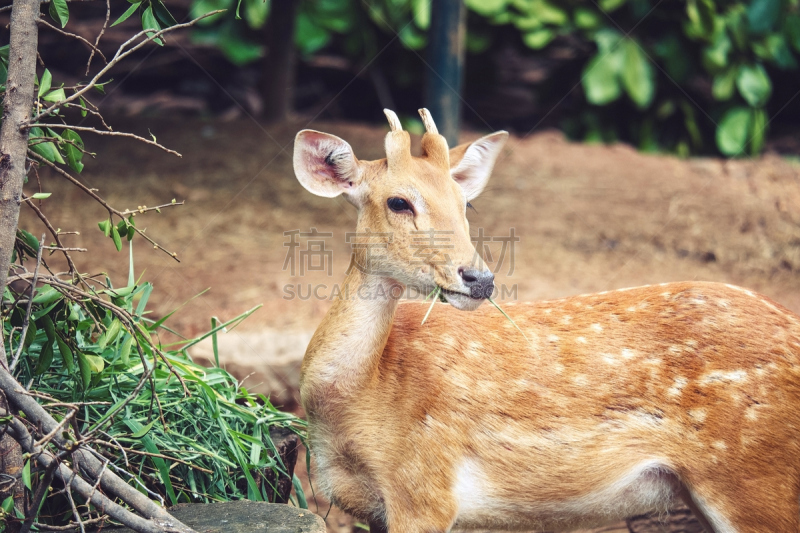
pixel 463 301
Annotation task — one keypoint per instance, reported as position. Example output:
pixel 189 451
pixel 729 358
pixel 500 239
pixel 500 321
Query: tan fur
pixel 616 404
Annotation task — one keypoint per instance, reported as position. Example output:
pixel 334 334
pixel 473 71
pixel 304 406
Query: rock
pixel 244 516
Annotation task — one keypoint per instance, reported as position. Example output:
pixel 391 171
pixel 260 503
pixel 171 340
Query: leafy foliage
pixel 664 75
pixel 190 434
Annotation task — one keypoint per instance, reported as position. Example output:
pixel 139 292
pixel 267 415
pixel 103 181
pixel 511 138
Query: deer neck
pixel 345 351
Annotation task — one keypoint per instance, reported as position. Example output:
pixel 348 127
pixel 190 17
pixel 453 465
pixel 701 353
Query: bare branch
pixel 99 35
pixel 73 481
pixel 73 36
pixel 103 132
pixel 26 321
pixel 52 231
pixel 101 201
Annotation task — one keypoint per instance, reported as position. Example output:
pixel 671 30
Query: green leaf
pixel 110 334
pixel 763 14
pixel 8 505
pixel 637 75
pixel 149 22
pixel 143 430
pixel 125 16
pixel 611 5
pixel 758 128
pixel 256 13
pixel 125 350
pixel 724 84
pixel 538 39
pixel 45 358
pixel 84 112
pixel 56 95
pixel 586 19
pixel 41 195
pixel 105 227
pixel 733 130
pixel 29 239
pixel 165 18
pixel 792 30
pixel 73 151
pixel 600 79
pixel 754 84
pixel 45 83
pixel 422 13
pixel 95 362
pixel 66 353
pixel 116 238
pixel 486 8
pixel 46 149
pixel 26 474
pixel 85 368
pixel 309 37
pixel 49 328
pixel 59 11
pixel 715 57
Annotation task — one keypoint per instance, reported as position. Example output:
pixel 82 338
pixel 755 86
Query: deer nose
pixel 479 282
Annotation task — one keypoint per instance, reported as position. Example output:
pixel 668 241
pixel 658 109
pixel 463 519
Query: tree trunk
pixel 278 74
pixel 13 141
pixel 446 38
pixel 11 464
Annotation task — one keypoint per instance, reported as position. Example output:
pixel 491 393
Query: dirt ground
pixel 588 218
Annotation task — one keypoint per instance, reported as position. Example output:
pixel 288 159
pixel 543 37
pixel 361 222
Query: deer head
pixel 414 208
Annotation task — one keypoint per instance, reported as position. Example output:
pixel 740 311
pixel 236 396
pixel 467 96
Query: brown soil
pixel 589 218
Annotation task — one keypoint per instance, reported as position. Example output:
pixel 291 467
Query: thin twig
pixel 101 201
pixel 72 268
pixel 26 321
pixel 99 35
pixel 104 132
pixel 73 36
pixel 44 440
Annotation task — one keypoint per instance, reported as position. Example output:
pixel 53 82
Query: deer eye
pixel 398 205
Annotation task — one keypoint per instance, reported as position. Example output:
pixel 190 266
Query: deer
pixel 586 410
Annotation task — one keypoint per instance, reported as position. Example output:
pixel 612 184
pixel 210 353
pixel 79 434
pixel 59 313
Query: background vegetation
pixel 690 76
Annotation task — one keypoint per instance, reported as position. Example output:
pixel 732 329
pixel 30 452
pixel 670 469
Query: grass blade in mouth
pixel 435 293
pixel 505 315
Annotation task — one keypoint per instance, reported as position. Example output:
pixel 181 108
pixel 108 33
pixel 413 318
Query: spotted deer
pixel 610 404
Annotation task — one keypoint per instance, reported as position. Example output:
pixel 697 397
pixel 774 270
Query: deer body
pixel 611 405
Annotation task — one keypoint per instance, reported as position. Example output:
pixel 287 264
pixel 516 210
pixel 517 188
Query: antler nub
pixel 427 119
pixel 394 122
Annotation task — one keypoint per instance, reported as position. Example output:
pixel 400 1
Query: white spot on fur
pixel 580 381
pixel 567 319
pixel 674 349
pixel 666 294
pixel 581 340
pixel 627 353
pixel 716 376
pixel 719 445
pixel 677 386
pixel 471 488
pixel 597 328
pixel 548 311
pixel 631 309
pixel 699 414
pixel 552 338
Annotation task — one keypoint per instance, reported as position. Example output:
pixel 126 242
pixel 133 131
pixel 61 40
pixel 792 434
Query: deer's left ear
pixel 471 164
pixel 324 164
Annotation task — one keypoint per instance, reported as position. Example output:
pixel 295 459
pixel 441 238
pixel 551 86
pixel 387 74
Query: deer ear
pixel 471 164
pixel 324 164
